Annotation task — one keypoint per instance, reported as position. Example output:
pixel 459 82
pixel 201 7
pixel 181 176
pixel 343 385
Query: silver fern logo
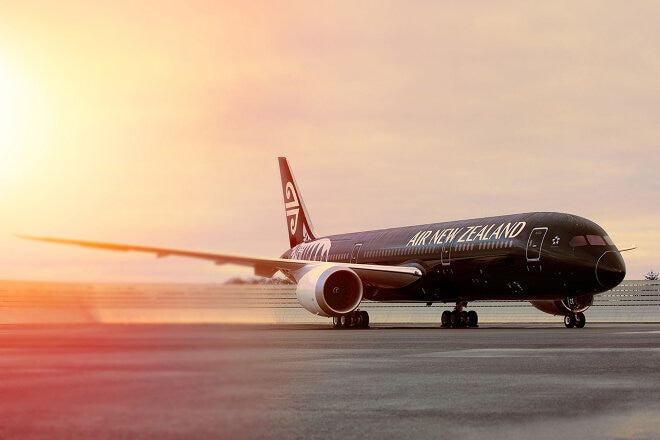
pixel 318 250
pixel 292 206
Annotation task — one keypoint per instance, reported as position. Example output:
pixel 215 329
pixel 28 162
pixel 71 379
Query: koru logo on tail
pixel 292 206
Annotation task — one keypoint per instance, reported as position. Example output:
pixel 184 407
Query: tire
pixel 357 319
pixel 464 318
pixel 472 319
pixel 346 321
pixel 580 320
pixel 445 319
pixel 569 320
pixel 365 319
pixel 455 319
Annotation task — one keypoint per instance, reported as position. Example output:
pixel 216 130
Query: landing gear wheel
pixel 459 317
pixel 357 319
pixel 464 318
pixel 569 320
pixel 364 321
pixel 445 320
pixel 347 320
pixel 580 320
pixel 472 319
pixel 455 319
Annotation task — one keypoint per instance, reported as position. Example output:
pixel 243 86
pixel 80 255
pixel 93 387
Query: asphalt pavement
pixel 310 381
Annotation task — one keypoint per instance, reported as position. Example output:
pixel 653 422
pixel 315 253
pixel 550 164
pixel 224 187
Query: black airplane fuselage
pixel 531 256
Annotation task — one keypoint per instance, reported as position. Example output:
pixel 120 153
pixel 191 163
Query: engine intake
pixel 330 290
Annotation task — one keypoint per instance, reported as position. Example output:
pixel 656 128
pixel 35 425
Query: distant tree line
pixel 258 281
pixel 652 275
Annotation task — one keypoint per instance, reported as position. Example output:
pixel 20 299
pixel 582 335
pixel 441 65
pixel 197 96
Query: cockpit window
pixel 596 240
pixel 593 240
pixel 578 241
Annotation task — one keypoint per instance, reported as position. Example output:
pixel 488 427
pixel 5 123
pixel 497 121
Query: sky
pixel 160 123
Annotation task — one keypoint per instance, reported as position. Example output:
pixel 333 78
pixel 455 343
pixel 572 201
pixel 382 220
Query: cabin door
pixel 445 254
pixel 535 243
pixel 356 252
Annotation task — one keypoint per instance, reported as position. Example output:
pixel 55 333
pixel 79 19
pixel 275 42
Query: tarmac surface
pixel 310 381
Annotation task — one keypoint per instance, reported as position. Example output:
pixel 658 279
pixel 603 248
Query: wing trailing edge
pixel 370 274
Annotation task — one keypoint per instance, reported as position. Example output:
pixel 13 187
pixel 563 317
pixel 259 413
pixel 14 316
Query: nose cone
pixel 610 269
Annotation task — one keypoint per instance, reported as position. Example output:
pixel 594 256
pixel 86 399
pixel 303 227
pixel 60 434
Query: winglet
pixel 298 222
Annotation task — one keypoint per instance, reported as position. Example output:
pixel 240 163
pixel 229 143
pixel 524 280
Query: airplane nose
pixel 610 269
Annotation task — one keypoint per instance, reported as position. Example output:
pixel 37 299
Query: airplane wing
pixel 370 274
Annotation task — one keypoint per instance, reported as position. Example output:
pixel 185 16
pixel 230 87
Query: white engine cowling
pixel 330 290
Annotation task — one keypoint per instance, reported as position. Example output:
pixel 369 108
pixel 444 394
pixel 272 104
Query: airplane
pixel 556 261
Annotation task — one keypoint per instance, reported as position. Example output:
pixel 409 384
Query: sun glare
pixel 18 117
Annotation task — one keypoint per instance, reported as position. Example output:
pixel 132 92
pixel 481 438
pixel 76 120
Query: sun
pixel 18 113
pixel 11 112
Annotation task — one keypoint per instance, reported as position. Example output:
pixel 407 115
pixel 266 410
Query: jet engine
pixel 330 290
pixel 565 306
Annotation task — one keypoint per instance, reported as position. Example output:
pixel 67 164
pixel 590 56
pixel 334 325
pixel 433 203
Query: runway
pixel 309 381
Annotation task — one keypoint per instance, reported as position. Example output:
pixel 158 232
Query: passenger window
pixel 595 240
pixel 578 241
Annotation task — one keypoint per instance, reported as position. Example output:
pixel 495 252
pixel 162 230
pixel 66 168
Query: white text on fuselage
pixel 467 234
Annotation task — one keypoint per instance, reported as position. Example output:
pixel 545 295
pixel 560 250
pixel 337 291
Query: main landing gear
pixel 459 317
pixel 356 319
pixel 577 320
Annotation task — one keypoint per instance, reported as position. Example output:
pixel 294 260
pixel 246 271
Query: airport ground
pixel 215 381
pixel 25 302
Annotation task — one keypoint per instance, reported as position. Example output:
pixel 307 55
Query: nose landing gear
pixel 577 320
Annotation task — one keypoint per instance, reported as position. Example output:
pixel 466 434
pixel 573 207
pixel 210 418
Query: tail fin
pixel 297 219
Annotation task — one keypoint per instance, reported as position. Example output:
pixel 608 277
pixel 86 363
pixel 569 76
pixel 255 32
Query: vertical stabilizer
pixel 297 219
